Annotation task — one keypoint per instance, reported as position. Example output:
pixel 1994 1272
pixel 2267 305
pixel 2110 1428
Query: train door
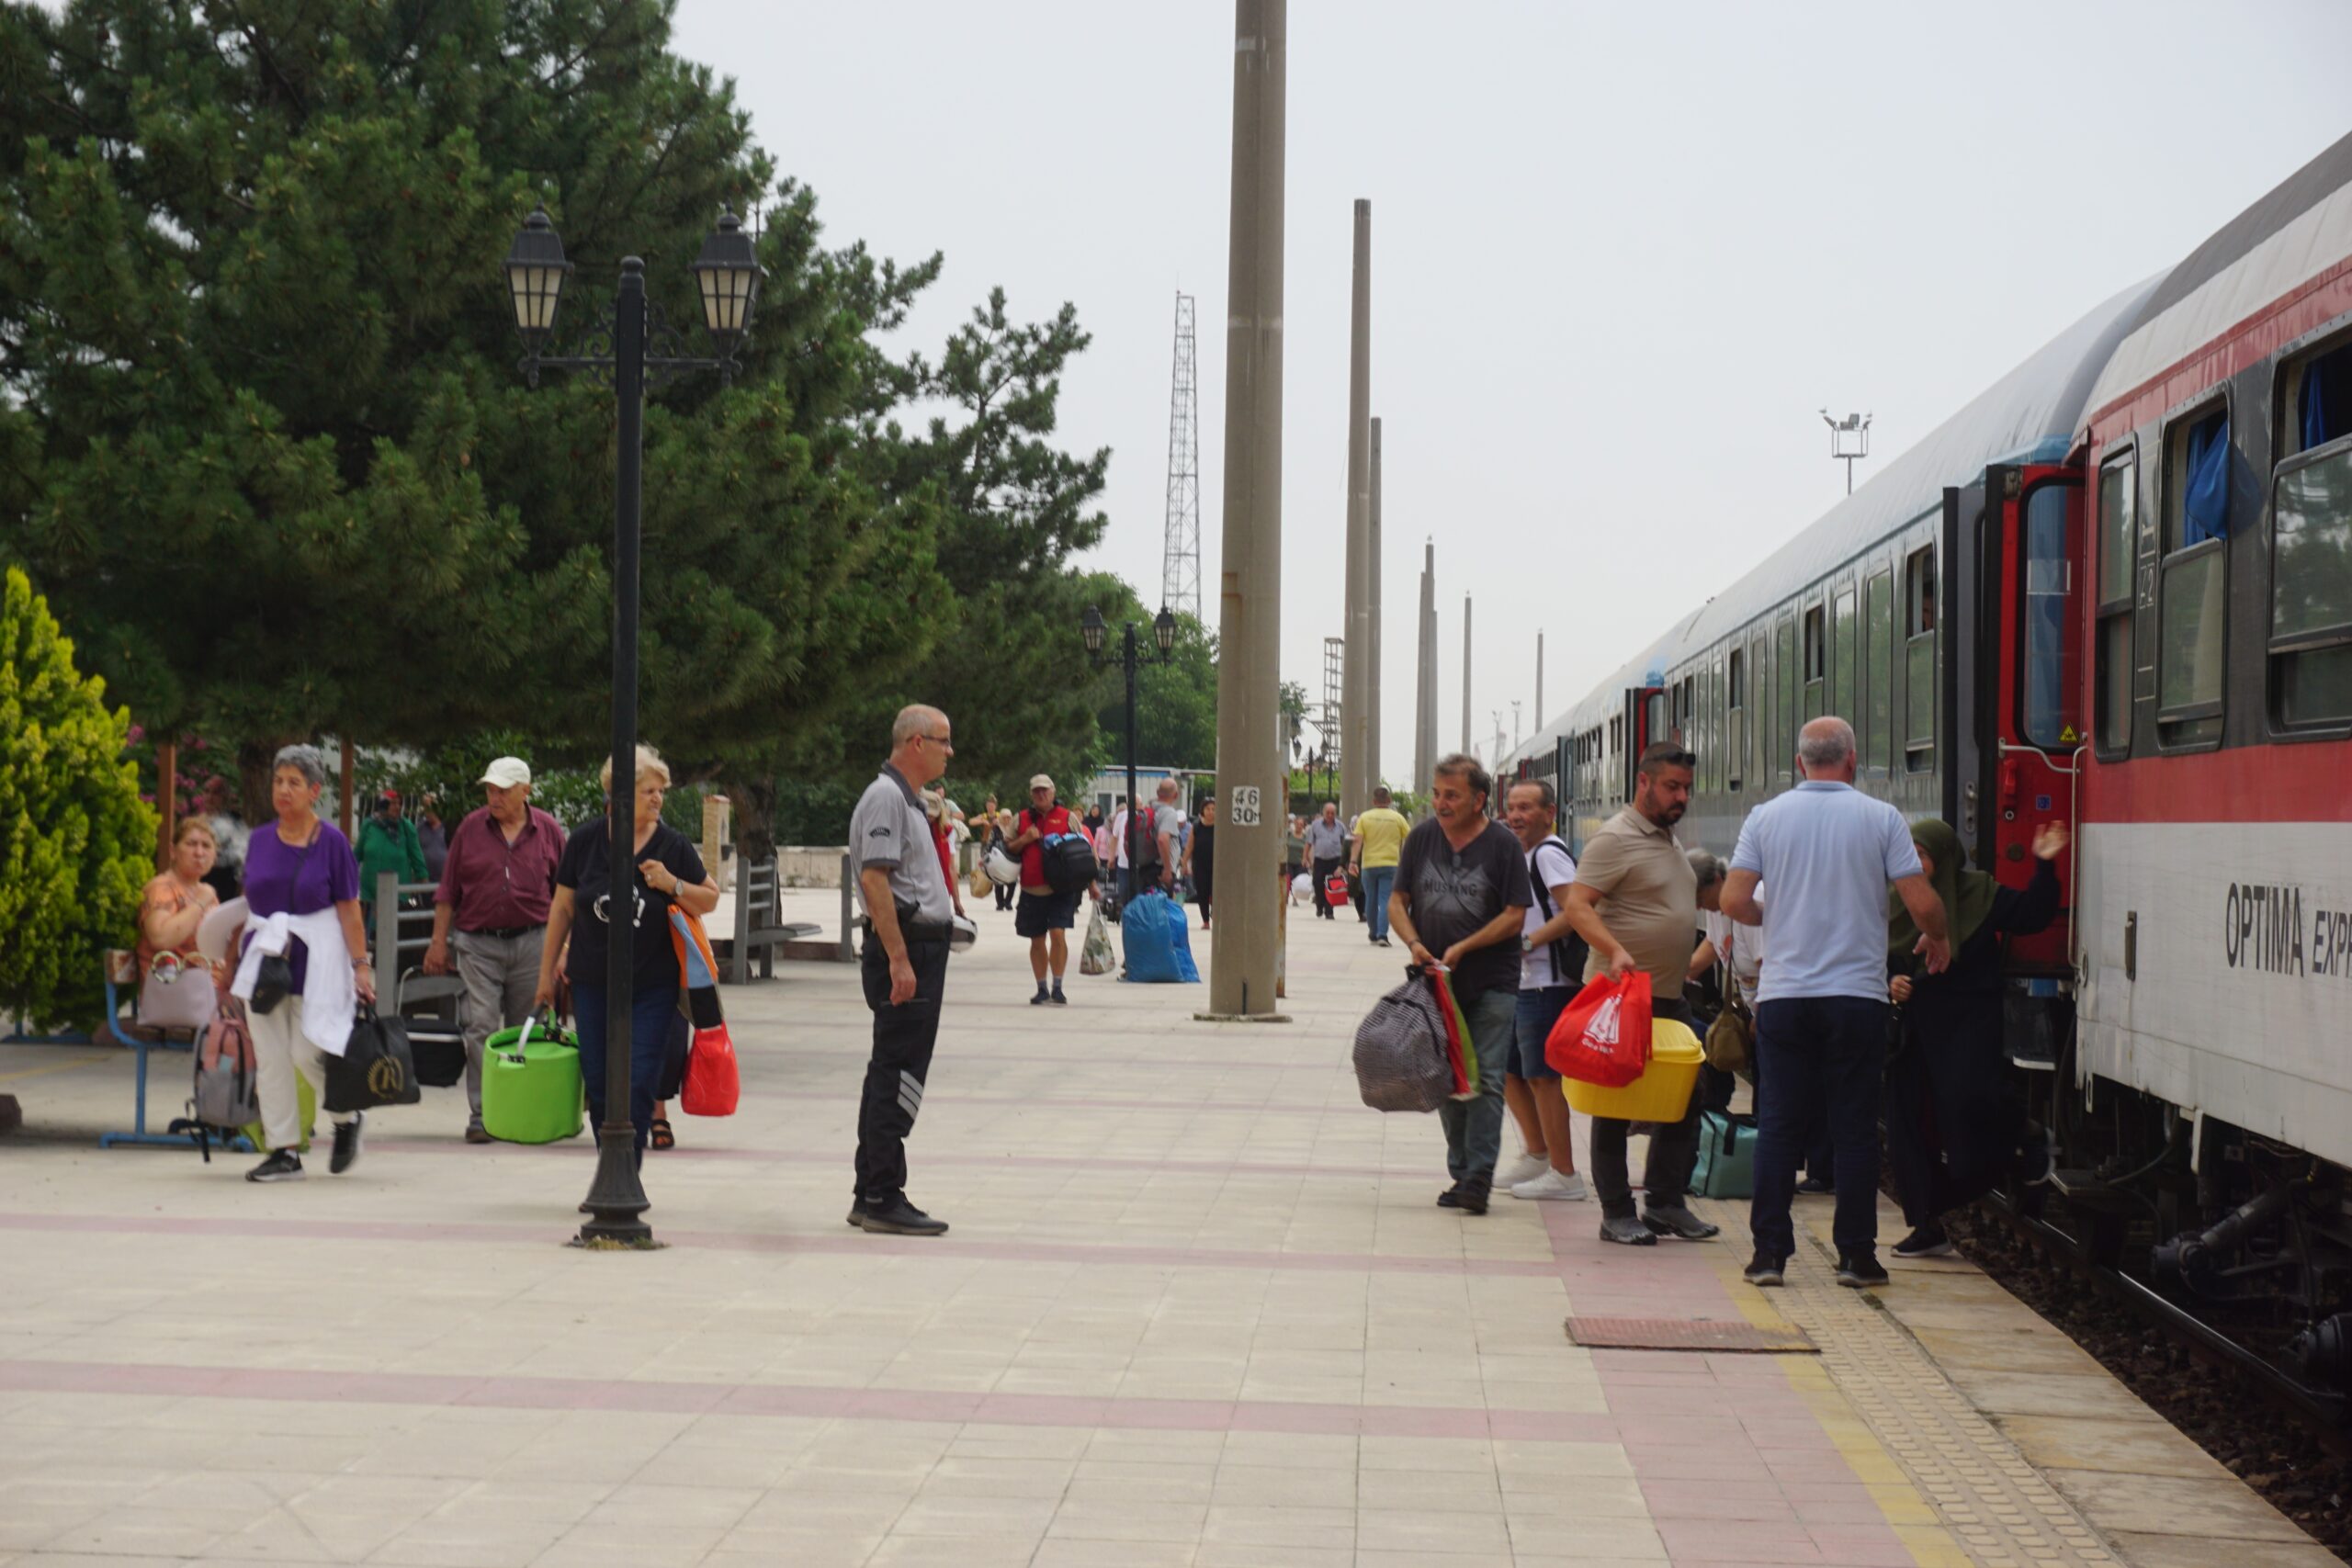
pixel 1645 722
pixel 2026 720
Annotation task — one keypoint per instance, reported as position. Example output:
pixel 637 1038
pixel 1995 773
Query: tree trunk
pixel 254 764
pixel 754 807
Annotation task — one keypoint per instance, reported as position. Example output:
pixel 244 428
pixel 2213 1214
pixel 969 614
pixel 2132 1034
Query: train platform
pixel 1197 1308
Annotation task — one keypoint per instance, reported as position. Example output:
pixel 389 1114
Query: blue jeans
pixel 649 1015
pixel 1811 1050
pixel 1473 1127
pixel 1378 881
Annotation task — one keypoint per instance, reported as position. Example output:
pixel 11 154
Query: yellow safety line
pixel 56 1068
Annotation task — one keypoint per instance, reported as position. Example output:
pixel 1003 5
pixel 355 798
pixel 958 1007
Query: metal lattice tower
pixel 1335 669
pixel 1179 572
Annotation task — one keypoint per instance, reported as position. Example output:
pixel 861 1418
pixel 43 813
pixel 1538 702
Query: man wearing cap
pixel 495 892
pixel 909 913
pixel 1044 914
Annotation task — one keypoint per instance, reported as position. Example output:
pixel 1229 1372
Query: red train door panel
pixel 2034 702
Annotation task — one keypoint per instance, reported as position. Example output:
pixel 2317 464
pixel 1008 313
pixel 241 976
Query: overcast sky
pixel 1622 254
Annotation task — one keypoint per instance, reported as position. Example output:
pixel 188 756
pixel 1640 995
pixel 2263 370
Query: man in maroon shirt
pixel 494 891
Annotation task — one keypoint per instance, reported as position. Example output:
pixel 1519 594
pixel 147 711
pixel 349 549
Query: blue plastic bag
pixel 1158 951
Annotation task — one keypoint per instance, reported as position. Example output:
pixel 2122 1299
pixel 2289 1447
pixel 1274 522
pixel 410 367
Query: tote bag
pixel 1603 1036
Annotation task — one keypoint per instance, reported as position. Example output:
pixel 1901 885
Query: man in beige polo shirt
pixel 1636 901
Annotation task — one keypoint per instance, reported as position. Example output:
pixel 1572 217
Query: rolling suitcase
pixel 1726 1164
pixel 531 1089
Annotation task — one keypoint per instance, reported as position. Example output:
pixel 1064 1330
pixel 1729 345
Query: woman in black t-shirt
pixel 670 871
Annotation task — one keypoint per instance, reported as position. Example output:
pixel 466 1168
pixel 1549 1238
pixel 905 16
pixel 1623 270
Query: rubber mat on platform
pixel 1684 1334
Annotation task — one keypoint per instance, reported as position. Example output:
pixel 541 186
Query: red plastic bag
pixel 713 1084
pixel 1335 890
pixel 1603 1037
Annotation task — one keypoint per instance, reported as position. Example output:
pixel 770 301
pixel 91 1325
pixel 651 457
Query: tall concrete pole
pixel 1539 680
pixel 1425 672
pixel 1372 666
pixel 1252 775
pixel 1356 683
pixel 1465 672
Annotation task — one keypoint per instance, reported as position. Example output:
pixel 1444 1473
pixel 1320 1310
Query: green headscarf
pixel 1967 894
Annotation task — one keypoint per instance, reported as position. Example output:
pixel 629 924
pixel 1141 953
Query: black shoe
pixel 1626 1231
pixel 1928 1241
pixel 857 1212
pixel 284 1165
pixel 346 1145
pixel 1815 1187
pixel 1040 998
pixel 1674 1220
pixel 1060 1000
pixel 1764 1271
pixel 1859 1271
pixel 900 1218
pixel 1473 1194
pixel 1451 1198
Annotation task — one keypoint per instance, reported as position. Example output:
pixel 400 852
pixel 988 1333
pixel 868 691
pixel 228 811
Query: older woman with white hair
pixel 302 897
pixel 670 871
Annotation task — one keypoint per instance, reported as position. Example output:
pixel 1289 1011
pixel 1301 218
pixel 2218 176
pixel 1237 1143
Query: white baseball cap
pixel 1041 781
pixel 506 773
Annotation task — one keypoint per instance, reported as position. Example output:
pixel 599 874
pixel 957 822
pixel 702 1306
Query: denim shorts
pixel 1539 1009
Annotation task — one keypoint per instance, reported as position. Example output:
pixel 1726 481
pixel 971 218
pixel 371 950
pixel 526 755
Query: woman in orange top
pixel 177 899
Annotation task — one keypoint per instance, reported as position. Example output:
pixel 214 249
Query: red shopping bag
pixel 1604 1036
pixel 713 1084
pixel 1335 890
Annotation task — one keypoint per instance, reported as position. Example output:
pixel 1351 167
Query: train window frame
pixel 1735 718
pixel 1785 726
pixel 2064 487
pixel 1814 679
pixel 1921 617
pixel 1845 661
pixel 2200 725
pixel 2116 612
pixel 2333 637
pixel 2286 402
pixel 1878 663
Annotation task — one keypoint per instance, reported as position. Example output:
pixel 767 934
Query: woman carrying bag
pixel 670 871
pixel 1950 1134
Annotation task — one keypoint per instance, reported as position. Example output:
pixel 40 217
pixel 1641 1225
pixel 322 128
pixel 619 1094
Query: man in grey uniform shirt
pixel 903 891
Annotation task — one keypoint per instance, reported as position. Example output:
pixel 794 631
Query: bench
pixel 122 975
pixel 760 929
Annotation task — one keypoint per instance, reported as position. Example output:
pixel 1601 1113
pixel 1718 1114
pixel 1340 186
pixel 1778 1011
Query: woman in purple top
pixel 300 865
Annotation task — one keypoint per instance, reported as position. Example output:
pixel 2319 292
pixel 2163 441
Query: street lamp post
pixel 728 277
pixel 1093 629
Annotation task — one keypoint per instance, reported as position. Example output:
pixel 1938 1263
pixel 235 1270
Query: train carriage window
pixel 2050 711
pixel 2318 405
pixel 1783 737
pixel 1736 719
pixel 1919 662
pixel 2118 534
pixel 2311 588
pixel 1816 659
pixel 1843 634
pixel 2192 578
pixel 1878 611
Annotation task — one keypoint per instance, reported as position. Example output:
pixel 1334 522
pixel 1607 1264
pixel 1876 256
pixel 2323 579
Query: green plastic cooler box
pixel 531 1091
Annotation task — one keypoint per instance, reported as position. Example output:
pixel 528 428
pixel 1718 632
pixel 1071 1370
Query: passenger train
pixel 2114 591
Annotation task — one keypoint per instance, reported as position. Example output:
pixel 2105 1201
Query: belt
pixel 913 933
pixel 505 933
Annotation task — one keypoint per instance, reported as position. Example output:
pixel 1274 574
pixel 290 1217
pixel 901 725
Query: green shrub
pixel 76 843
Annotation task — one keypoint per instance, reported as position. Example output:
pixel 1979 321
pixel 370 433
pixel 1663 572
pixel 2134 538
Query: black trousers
pixel 1324 870
pixel 1674 1148
pixel 903 1038
pixel 1950 1130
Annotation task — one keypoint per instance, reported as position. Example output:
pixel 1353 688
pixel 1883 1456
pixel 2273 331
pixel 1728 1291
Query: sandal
pixel 663 1137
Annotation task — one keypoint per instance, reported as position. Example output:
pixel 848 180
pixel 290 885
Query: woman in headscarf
pixel 1949 1132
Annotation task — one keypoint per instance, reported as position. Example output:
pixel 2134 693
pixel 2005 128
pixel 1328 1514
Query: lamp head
pixel 1163 632
pixel 536 271
pixel 1091 628
pixel 728 273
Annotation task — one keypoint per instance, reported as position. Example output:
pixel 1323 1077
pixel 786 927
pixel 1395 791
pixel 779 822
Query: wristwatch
pixel 1526 943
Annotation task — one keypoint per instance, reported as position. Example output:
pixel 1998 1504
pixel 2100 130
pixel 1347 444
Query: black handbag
pixel 438 1049
pixel 376 1068
pixel 272 981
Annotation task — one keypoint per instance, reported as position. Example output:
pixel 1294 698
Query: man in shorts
pixel 1550 969
pixel 1043 916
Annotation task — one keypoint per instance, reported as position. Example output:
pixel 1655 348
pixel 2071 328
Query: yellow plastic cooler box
pixel 1663 1092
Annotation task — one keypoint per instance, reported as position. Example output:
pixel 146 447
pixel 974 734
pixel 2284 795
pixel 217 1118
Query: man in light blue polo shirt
pixel 1826 853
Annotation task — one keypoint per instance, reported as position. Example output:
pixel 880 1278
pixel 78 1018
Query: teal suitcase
pixel 1726 1167
pixel 531 1090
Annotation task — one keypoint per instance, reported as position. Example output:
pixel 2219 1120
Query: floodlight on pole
pixel 1849 440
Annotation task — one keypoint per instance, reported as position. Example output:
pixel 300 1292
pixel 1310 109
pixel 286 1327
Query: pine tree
pixel 76 843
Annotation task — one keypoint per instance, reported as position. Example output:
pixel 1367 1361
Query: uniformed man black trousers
pixel 903 1037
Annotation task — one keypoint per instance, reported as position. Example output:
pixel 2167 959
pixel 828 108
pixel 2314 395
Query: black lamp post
pixel 1092 627
pixel 726 275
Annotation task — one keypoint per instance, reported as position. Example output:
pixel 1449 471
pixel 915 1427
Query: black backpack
pixel 1570 952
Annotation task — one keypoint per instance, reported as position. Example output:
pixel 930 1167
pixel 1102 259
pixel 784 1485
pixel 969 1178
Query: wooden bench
pixel 760 929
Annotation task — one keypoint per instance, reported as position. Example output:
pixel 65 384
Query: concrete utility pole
pixel 1251 777
pixel 1539 680
pixel 1356 735
pixel 1465 672
pixel 1425 672
pixel 1372 664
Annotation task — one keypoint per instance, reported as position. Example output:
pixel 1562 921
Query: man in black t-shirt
pixel 1462 895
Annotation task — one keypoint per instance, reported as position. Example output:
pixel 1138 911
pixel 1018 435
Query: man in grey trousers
pixel 493 910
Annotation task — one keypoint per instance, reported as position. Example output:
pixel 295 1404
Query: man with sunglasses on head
pixel 1635 903
pixel 902 888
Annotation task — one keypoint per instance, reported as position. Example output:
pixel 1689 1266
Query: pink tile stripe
pixel 948 1098
pixel 583 1150
pixel 1077 1253
pixel 295 1385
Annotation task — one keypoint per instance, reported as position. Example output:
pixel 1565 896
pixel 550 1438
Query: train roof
pixel 2300 230
pixel 2029 415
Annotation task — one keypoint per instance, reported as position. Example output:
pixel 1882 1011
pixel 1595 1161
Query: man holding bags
pixel 1635 903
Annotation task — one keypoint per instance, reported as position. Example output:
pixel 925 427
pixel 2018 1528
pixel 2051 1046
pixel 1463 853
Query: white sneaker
pixel 1551 1184
pixel 1527 1167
